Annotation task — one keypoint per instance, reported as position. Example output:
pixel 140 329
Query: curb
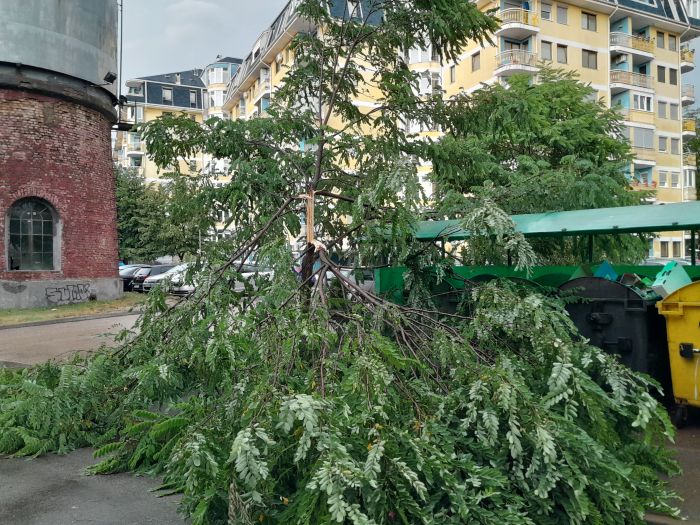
pixel 70 320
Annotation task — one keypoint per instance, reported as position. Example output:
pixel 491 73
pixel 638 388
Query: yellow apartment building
pixel 632 52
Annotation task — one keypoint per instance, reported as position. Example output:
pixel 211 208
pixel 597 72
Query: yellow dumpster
pixel 682 312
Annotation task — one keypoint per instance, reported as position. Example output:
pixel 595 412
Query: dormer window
pixel 354 8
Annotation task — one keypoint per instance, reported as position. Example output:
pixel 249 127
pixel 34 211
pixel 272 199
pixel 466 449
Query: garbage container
pixel 682 312
pixel 617 319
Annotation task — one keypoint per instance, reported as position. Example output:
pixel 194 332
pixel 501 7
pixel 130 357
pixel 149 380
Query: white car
pixel 171 275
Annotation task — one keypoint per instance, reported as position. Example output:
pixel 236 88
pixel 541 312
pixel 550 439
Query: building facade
pixel 57 197
pixel 148 98
pixel 633 53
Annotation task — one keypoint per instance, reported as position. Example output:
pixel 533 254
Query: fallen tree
pixel 311 400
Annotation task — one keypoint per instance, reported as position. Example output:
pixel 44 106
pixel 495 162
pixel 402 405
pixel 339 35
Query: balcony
pixel 518 23
pixel 688 128
pixel 515 61
pixel 624 80
pixel 134 149
pixel 687 60
pixel 690 160
pixel 642 184
pixel 639 47
pixel 635 115
pixel 687 94
pixel 643 157
pixel 263 88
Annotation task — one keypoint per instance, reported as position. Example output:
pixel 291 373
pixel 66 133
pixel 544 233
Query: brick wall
pixel 61 152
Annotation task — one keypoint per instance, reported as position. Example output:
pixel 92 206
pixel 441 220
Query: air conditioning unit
pixel 620 59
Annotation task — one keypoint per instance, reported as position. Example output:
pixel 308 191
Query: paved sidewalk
pixel 52 490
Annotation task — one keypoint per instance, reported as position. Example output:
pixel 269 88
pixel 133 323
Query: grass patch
pixel 34 315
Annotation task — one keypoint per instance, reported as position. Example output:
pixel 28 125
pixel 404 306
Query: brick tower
pixel 58 241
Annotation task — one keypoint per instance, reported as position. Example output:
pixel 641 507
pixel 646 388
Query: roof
pixel 230 60
pixel 187 78
pixel 625 219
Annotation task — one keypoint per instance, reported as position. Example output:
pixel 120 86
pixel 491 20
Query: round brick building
pixel 58 240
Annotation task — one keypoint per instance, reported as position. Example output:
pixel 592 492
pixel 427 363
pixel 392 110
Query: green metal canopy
pixel 625 219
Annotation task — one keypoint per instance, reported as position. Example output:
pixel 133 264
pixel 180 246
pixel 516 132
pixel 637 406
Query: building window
pixel 643 138
pixel 193 99
pixel 673 76
pixel 664 249
pixel 660 40
pixel 588 21
pixel 453 74
pixel 642 102
pixel 675 146
pixel 676 248
pixel 689 179
pixel 662 109
pixel 672 43
pixel 561 54
pixel 663 143
pixel 355 8
pixel 562 14
pixel 673 111
pixel 663 179
pixel 661 73
pixel 546 50
pixel 167 96
pixel 589 59
pixel 546 12
pixel 675 180
pixel 32 235
pixel 476 61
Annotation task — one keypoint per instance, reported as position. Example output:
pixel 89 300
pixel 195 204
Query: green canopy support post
pixel 692 247
pixel 442 246
pixel 590 248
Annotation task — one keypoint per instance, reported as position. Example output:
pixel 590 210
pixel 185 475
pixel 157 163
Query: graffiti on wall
pixel 70 293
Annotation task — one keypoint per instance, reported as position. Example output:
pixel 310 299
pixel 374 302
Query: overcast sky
pixel 163 36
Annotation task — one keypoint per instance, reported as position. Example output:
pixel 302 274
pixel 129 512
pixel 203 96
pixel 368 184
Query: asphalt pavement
pixel 38 344
pixel 52 490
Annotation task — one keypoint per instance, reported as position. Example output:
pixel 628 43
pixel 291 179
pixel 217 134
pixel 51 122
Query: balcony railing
pixel 635 115
pixel 519 16
pixel 632 41
pixel 688 90
pixel 687 55
pixel 516 57
pixel 689 159
pixel 263 87
pixel 689 125
pixel 644 153
pixel 633 79
pixel 642 184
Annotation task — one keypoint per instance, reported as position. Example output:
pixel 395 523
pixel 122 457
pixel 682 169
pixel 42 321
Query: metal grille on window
pixel 31 236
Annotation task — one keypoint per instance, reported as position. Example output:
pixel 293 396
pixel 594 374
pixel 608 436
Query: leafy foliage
pixel 535 147
pixel 319 402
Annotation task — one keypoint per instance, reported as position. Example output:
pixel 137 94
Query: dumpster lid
pixel 623 219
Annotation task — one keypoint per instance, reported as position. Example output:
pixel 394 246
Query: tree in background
pixel 535 147
pixel 319 402
pixel 140 210
pixel 176 217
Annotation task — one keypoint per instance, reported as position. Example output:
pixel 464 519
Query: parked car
pixel 127 273
pixel 143 273
pixel 153 280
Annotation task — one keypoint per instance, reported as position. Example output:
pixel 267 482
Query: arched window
pixel 32 234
